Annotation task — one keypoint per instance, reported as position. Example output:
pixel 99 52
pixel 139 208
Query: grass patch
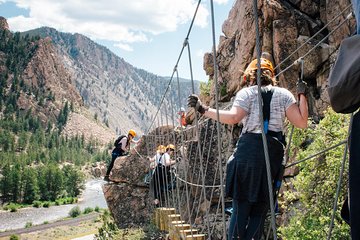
pixel 28 225
pixel 88 210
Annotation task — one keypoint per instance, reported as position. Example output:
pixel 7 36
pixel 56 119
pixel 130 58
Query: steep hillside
pixel 41 155
pixel 119 94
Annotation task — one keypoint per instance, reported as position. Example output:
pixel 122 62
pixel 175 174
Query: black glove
pixel 194 101
pixel 301 88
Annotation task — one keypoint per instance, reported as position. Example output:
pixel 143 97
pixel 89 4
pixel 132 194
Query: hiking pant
pixel 114 155
pixel 356 7
pixel 354 177
pixel 160 181
pixel 247 220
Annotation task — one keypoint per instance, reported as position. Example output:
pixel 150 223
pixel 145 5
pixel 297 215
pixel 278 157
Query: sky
pixel 149 34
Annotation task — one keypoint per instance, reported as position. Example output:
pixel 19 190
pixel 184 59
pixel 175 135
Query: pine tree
pixel 6 183
pixel 31 188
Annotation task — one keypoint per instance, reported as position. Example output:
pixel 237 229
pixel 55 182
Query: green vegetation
pixel 28 225
pixel 109 230
pixel 205 88
pixel 75 212
pixel 88 210
pixel 317 182
pixel 97 209
pixel 38 163
pixel 14 237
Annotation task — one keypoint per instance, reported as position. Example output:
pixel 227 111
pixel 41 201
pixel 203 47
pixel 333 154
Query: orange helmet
pixel 161 149
pixel 170 146
pixel 264 64
pixel 132 132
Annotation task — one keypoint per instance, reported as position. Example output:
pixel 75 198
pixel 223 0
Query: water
pixel 92 197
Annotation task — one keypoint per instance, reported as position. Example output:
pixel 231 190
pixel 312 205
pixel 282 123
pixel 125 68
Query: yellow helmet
pixel 161 149
pixel 264 64
pixel 132 132
pixel 170 146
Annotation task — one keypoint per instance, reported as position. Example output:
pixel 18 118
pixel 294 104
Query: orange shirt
pixel 182 119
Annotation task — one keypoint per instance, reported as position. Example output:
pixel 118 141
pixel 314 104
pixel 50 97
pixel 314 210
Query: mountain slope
pixel 120 95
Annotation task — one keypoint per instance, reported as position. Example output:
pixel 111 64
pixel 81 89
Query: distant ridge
pixel 119 94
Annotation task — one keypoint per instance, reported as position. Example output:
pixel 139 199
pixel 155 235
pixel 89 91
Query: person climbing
pixel 154 161
pixel 343 90
pixel 182 118
pixel 122 148
pixel 162 176
pixel 246 176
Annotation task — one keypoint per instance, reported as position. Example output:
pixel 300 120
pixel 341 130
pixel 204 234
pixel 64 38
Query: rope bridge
pixel 193 205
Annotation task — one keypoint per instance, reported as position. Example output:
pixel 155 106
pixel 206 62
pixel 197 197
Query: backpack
pixel 344 78
pixel 117 143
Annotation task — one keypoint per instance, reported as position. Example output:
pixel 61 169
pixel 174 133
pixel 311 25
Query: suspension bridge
pixel 193 205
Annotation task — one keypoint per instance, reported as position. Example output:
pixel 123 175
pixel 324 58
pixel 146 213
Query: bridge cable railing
pixel 175 70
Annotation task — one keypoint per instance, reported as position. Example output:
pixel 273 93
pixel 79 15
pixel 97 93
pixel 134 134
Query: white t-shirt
pixel 165 159
pixel 157 158
pixel 247 99
pixel 123 142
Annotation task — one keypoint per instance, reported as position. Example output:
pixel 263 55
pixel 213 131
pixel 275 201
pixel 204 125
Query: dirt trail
pixel 70 222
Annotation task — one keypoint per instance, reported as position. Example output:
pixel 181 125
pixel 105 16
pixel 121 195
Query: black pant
pixel 247 220
pixel 160 181
pixel 354 177
pixel 114 154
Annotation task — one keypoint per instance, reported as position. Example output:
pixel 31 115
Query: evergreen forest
pixel 37 162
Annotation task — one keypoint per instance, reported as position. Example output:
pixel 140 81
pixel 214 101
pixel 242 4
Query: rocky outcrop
pixel 46 76
pixel 121 95
pixel 284 26
pixel 128 198
pixel 3 23
pixel 46 71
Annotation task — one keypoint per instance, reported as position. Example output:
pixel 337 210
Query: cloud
pixel 121 21
pixel 125 47
pixel 221 1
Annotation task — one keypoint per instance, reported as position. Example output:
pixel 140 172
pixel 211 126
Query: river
pixel 91 197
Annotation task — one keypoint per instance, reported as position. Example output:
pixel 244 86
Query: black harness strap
pixel 266 96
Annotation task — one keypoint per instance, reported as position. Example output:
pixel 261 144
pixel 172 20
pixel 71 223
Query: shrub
pixel 88 210
pixel 37 204
pixel 97 209
pixel 58 202
pixel 13 207
pixel 28 224
pixel 205 88
pixel 46 204
pixel 75 211
pixel 14 237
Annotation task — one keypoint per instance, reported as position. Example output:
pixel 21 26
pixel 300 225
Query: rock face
pixel 284 26
pixel 121 95
pixel 129 198
pixel 3 23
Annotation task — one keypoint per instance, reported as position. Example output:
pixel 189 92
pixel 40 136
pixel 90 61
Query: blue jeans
pixel 356 7
pixel 247 220
pixel 114 154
